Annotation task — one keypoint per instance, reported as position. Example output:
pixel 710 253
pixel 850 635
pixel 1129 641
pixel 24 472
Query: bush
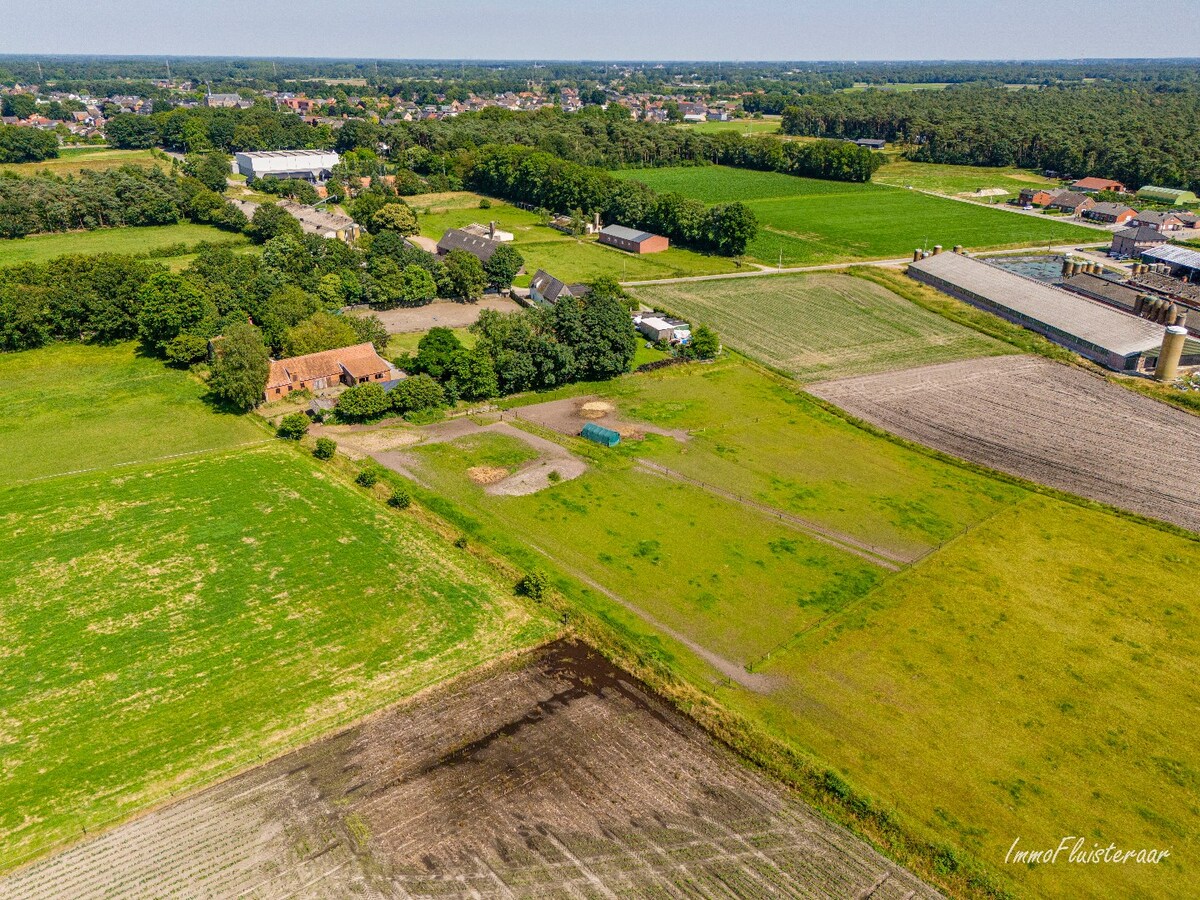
pixel 485 203
pixel 535 585
pixel 461 542
pixel 293 426
pixel 400 499
pixel 185 349
pixel 367 478
pixel 417 392
pixel 554 477
pixel 362 402
pixel 325 448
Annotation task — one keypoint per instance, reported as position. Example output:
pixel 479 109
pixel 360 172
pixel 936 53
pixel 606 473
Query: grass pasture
pixel 71 407
pixel 168 624
pixel 39 248
pixel 946 179
pixel 73 160
pixel 821 325
pixel 804 221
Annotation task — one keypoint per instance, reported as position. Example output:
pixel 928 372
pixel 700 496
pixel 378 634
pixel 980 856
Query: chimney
pixel 596 221
pixel 492 230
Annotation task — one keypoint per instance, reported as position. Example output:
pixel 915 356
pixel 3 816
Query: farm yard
pixel 40 248
pixel 1043 421
pixel 72 407
pixel 817 325
pixel 488 787
pixel 172 623
pixel 804 221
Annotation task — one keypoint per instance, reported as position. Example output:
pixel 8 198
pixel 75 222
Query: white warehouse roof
pixel 265 162
pixel 1102 326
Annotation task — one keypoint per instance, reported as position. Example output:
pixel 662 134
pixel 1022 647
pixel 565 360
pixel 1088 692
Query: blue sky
pixel 607 29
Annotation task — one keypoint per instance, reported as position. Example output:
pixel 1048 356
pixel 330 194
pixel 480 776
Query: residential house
pixel 223 101
pixel 457 239
pixel 1036 197
pixel 1163 221
pixel 1096 185
pixel 633 241
pixel 1110 213
pixel 870 143
pixel 1071 202
pixel 547 290
pixel 360 364
pixel 1131 242
pixel 323 222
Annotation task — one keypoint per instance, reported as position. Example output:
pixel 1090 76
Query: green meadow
pixel 73 160
pixel 40 248
pixel 168 624
pixel 804 221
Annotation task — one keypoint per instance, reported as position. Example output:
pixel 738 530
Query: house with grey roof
pixel 477 245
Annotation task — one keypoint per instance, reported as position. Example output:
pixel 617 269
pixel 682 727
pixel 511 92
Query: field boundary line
pixel 875 555
pixel 140 462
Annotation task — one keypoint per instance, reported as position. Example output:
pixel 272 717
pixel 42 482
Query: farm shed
pixel 663 328
pixel 1172 196
pixel 1093 330
pixel 1182 262
pixel 598 434
pixel 1096 185
pixel 633 241
pixel 1106 290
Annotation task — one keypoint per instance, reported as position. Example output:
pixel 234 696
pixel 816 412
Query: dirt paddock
pixel 555 775
pixel 1043 421
pixel 570 415
pixel 443 313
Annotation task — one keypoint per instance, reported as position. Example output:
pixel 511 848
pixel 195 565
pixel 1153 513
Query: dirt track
pixel 560 778
pixel 1043 421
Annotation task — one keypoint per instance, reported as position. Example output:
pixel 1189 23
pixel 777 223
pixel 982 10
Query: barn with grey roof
pixel 633 241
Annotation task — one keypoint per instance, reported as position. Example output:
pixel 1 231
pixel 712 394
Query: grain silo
pixel 1172 349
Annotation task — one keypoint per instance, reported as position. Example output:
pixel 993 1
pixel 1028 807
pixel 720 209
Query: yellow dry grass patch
pixel 487 474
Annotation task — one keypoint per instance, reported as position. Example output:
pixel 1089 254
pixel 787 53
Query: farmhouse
pixel 1071 202
pixel 319 371
pixel 1163 221
pixel 1170 196
pixel 1036 197
pixel 1096 185
pixel 1110 213
pixel 308 165
pixel 1132 241
pixel 481 248
pixel 324 223
pixel 632 240
pixel 1093 330
pixel 547 290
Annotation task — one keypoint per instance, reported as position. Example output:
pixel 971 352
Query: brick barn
pixel 359 364
pixel 633 241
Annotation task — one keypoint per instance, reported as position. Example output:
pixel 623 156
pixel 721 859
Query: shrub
pixel 362 402
pixel 325 448
pixel 367 478
pixel 400 499
pixel 417 392
pixel 485 203
pixel 293 426
pixel 554 477
pixel 461 542
pixel 534 585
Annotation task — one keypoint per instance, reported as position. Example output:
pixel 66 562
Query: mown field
pixel 171 623
pixel 72 407
pixel 571 259
pixel 42 247
pixel 804 221
pixel 944 179
pixel 1011 683
pixel 73 160
pixel 821 325
pixel 745 127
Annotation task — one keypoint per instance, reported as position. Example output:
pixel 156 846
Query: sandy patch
pixel 596 409
pixel 487 474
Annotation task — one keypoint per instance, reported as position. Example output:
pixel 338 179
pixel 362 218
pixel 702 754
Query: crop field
pixel 73 407
pixel 1032 680
pixel 554 776
pixel 1046 422
pixel 72 161
pixel 946 179
pixel 40 248
pixel 169 624
pixel 804 221
pixel 821 325
pixel 566 257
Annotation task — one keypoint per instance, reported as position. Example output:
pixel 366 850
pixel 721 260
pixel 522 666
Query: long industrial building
pixel 309 165
pixel 1091 329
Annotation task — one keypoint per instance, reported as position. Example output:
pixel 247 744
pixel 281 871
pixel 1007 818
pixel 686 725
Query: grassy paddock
pixel 73 160
pixel 169 624
pixel 71 407
pixel 40 248
pixel 804 221
pixel 821 325
pixel 946 179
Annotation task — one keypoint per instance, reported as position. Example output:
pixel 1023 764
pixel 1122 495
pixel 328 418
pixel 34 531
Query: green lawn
pixel 71 407
pixel 71 161
pixel 42 247
pixel 804 221
pixel 571 259
pixel 408 341
pixel 821 325
pixel 169 624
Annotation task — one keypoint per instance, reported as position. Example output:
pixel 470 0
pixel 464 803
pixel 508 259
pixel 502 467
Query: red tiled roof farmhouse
pixel 315 371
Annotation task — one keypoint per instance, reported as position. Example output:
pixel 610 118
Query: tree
pixel 731 228
pixel 293 426
pixel 271 221
pixel 534 585
pixel 320 331
pixel 464 276
pixel 416 393
pixel 210 169
pixel 370 328
pixel 503 266
pixel 397 217
pixel 241 367
pixel 20 105
pixel 185 349
pixel 610 342
pixel 436 353
pixel 475 375
pixel 170 306
pixel 130 131
pixel 400 499
pixel 325 448
pixel 704 343
pixel 362 402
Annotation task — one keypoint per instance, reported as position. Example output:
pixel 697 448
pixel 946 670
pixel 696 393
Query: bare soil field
pixel 570 415
pixel 554 776
pixel 1045 422
pixel 440 313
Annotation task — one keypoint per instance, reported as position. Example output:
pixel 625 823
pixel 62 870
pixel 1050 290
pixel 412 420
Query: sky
pixel 607 29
